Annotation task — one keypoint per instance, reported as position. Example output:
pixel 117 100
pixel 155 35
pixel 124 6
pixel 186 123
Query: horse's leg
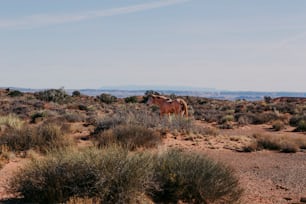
pixel 169 115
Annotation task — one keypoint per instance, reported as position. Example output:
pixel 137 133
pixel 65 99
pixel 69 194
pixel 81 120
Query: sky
pixel 237 45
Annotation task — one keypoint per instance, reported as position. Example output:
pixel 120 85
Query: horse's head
pixel 150 100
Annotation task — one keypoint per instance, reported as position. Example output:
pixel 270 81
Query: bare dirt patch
pixel 267 176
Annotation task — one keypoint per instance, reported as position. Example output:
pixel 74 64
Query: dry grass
pixel 285 143
pixel 11 121
pixel 43 138
pixel 130 136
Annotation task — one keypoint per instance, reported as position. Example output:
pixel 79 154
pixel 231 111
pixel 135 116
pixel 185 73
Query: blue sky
pixel 233 45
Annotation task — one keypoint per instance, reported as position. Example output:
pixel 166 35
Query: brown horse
pixel 169 106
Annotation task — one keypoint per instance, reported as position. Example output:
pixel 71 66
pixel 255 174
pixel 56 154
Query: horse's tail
pixel 184 106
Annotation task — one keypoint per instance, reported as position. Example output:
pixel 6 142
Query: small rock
pixel 281 187
pixel 303 200
pixel 287 198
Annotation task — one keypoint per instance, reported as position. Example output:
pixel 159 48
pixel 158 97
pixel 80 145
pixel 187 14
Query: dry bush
pixel 273 142
pixel 43 138
pixel 278 125
pixel 111 175
pixel 130 136
pixel 73 117
pixel 193 178
pixel 212 131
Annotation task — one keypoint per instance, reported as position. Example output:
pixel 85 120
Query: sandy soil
pixel 268 177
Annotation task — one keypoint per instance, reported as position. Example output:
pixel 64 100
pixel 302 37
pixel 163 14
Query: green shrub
pixel 130 136
pixel 301 127
pixel 36 116
pixel 107 98
pixel 76 93
pixel 15 93
pixel 131 99
pixel 111 175
pixel 193 178
pixel 52 95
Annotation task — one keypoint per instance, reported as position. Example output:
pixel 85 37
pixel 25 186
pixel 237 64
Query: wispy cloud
pixel 292 39
pixel 53 19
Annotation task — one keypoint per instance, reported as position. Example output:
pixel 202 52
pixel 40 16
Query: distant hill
pixel 125 91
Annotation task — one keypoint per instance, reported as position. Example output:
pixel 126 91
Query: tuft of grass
pixel 283 144
pixel 130 136
pixel 11 121
pixel 192 178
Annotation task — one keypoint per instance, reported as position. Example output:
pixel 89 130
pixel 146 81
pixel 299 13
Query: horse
pixel 169 106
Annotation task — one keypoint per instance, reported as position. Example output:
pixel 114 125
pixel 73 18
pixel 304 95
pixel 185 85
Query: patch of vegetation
pixel 301 127
pixel 76 93
pixel 37 116
pixel 130 136
pixel 43 138
pixel 147 93
pixel 148 119
pixel 273 142
pixel 278 125
pixel 11 121
pixel 73 117
pixel 192 178
pixel 53 95
pixel 114 175
pixel 131 99
pixel 15 93
pixel 107 98
pixel 111 175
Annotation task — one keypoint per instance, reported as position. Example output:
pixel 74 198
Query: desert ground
pixel 264 142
